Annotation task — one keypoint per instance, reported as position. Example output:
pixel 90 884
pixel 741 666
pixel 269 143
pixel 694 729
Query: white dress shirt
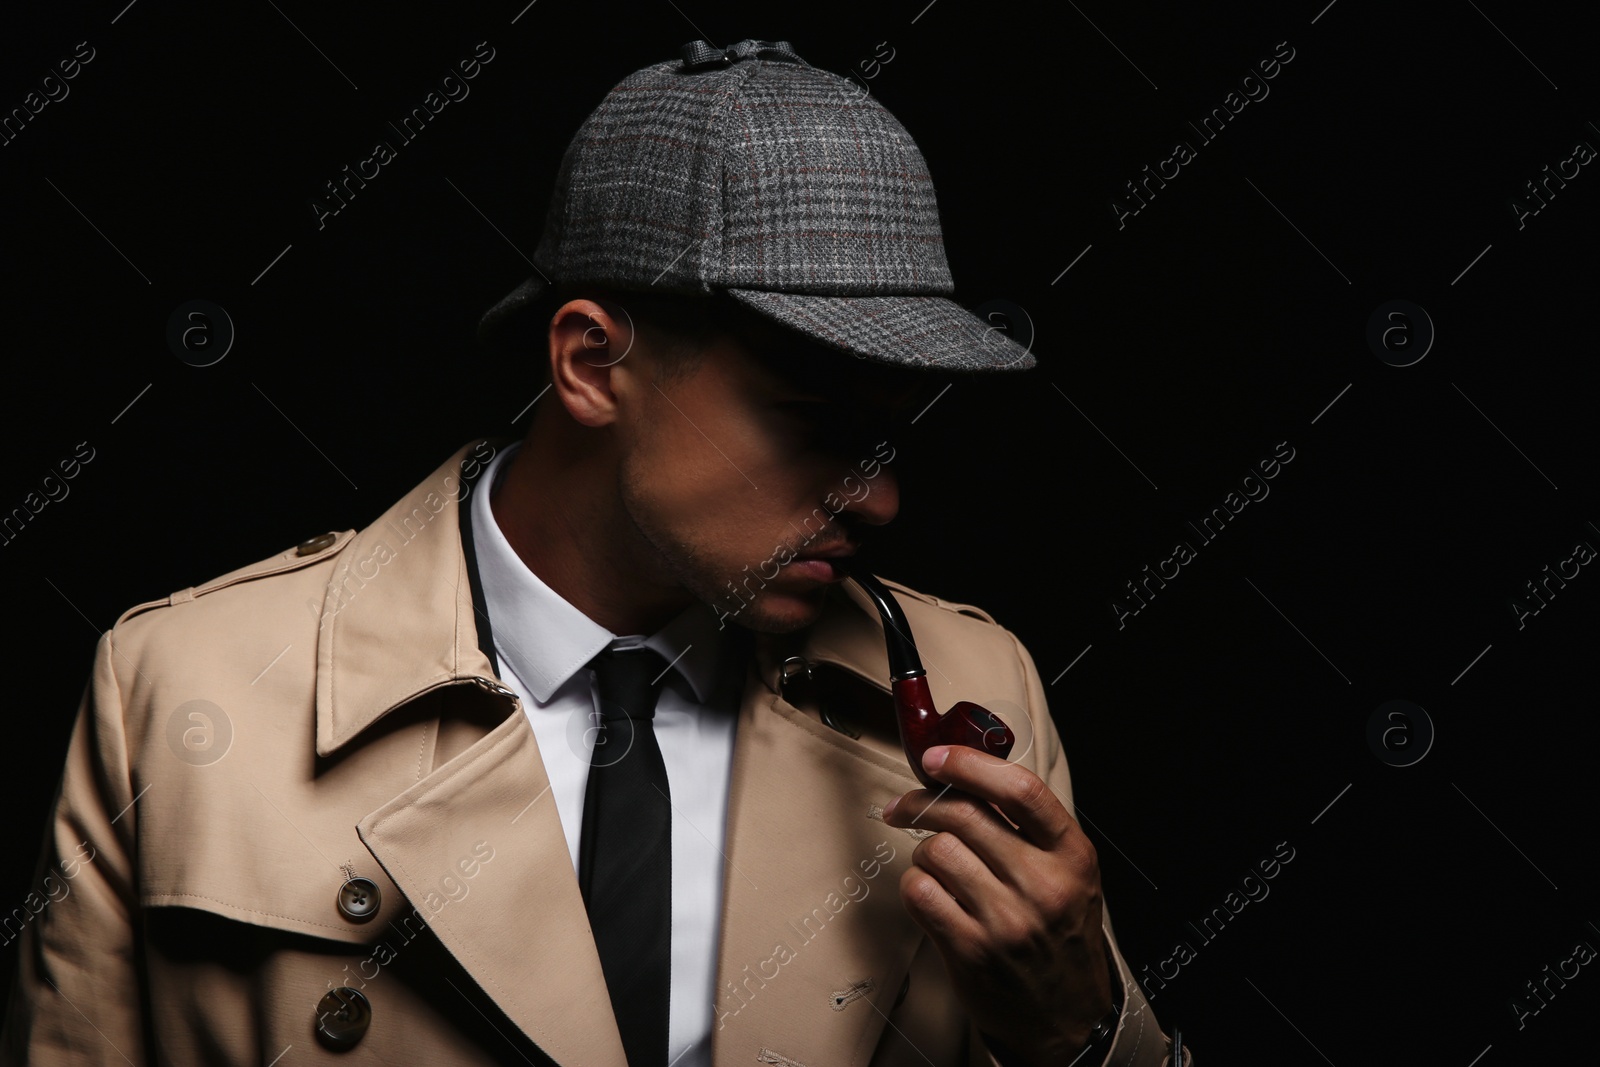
pixel 544 644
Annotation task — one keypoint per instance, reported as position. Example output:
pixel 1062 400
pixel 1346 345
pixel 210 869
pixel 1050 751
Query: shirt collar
pixel 546 639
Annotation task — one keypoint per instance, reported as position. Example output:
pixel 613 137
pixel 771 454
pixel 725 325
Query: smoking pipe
pixel 921 725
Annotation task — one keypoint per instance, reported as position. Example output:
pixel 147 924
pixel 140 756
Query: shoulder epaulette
pixel 312 550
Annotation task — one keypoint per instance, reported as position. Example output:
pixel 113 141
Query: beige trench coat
pixel 246 747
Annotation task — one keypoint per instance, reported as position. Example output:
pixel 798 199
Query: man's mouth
pixel 823 565
pixel 836 552
pixel 821 570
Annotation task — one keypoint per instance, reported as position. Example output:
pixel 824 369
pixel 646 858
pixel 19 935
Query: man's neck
pixel 583 547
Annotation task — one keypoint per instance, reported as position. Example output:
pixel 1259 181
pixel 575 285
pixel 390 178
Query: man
pixel 581 753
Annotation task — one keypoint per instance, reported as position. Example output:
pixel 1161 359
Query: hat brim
pixel 494 321
pixel 923 332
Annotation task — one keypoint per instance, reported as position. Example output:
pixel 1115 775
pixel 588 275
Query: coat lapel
pixel 398 624
pixel 815 942
pixel 522 932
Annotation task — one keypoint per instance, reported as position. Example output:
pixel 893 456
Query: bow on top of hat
pixel 700 55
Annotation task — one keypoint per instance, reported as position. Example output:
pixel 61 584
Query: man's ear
pixel 588 341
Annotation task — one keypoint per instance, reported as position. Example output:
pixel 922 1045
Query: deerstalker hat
pixel 748 171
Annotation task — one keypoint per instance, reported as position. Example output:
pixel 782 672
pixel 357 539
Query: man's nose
pixel 874 500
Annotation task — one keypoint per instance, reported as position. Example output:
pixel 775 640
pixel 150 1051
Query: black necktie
pixel 625 852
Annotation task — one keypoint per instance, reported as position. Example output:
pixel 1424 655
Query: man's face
pixel 747 473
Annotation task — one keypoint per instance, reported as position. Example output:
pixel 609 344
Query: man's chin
pixel 777 614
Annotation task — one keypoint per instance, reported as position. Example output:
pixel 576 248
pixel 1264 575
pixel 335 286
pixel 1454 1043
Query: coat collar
pixel 399 618
pixel 403 612
pixel 812 923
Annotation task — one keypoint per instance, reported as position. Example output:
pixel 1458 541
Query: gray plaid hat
pixel 747 170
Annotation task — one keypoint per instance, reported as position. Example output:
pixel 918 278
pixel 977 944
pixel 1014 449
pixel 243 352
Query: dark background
pixel 1227 716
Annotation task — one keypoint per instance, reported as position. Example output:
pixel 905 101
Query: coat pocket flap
pixel 314 902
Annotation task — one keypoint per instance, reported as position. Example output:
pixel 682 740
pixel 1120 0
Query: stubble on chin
pixel 724 594
pixel 753 608
pixel 756 607
pixel 688 568
pixel 755 617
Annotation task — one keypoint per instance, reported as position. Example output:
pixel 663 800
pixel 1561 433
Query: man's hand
pixel 1008 889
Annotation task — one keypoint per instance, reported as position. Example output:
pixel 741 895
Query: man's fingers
pixel 1024 797
pixel 983 830
pixel 976 882
pixel 932 907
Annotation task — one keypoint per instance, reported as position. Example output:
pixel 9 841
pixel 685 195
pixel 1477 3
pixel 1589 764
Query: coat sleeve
pixel 1139 1041
pixel 76 998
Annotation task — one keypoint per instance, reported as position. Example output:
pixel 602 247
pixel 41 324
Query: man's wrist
pixel 1101 1036
pixel 1104 1033
pixel 1119 997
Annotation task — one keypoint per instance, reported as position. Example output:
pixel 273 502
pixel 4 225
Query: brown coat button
pixel 359 899
pixel 316 544
pixel 343 1016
